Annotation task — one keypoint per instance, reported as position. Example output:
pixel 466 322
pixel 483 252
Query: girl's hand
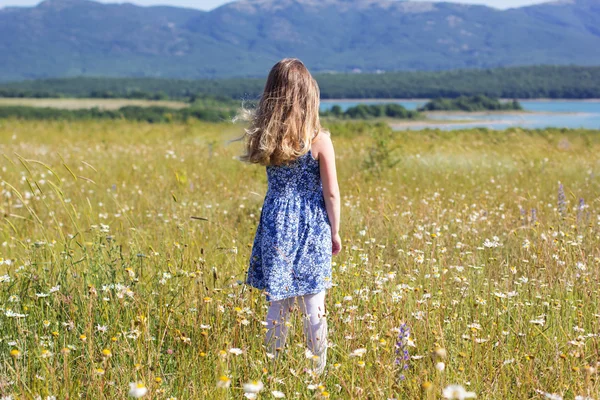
pixel 336 244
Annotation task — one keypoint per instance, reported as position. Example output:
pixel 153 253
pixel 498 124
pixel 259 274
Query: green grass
pixel 104 210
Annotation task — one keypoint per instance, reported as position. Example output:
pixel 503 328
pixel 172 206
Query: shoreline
pixel 502 112
pixel 428 123
pixel 373 100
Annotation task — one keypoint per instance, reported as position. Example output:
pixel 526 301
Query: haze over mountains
pixel 61 38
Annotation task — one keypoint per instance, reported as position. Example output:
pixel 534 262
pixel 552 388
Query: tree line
pixel 215 111
pixel 569 82
pixel 152 114
pixel 368 111
pixel 470 104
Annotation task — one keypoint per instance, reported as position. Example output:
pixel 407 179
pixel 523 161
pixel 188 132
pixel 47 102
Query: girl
pixel 300 219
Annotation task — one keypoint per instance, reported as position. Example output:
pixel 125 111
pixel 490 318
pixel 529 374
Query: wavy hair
pixel 286 120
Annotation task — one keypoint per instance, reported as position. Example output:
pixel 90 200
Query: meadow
pixel 470 258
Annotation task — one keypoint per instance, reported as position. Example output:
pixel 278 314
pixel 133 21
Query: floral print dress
pixel 291 255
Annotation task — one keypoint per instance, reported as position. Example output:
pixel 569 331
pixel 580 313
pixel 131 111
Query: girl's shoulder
pixel 321 142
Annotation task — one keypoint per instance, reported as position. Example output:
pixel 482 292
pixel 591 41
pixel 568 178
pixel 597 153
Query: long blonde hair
pixel 286 120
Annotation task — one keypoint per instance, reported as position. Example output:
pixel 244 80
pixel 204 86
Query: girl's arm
pixel 331 191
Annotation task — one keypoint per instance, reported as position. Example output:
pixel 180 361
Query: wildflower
pixel 251 389
pixel 539 321
pixel 106 353
pixel 236 351
pixel 14 353
pixel 440 366
pixel 358 353
pixel 277 394
pixel 439 353
pixel 137 390
pixel 551 396
pixel 590 370
pixel 402 355
pixel 224 382
pixel 457 392
pixel 491 243
pixel 562 204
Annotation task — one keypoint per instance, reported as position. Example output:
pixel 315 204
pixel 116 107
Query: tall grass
pixel 124 246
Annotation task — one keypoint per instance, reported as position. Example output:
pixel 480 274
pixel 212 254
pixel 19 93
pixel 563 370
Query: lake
pixel 542 114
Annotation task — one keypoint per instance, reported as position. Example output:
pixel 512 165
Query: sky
pixel 210 4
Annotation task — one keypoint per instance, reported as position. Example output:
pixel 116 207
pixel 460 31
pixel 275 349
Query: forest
pixel 557 82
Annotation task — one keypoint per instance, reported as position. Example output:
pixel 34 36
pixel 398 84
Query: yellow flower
pixel 224 382
pixel 137 390
pixel 14 353
pixel 439 353
pixel 106 353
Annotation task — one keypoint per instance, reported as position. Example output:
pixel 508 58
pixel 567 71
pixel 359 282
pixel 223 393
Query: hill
pixel 66 38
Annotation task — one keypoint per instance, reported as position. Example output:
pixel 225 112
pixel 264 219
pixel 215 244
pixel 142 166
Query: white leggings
pixel 315 324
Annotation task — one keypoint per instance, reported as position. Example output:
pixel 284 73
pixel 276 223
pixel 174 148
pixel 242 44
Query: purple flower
pixel 402 355
pixel 562 200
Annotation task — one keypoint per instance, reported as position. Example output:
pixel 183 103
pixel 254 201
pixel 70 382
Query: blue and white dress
pixel 291 255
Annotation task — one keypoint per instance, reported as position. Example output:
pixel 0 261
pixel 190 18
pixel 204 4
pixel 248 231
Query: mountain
pixel 61 38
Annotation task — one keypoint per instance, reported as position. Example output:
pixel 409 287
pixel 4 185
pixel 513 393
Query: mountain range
pixel 65 38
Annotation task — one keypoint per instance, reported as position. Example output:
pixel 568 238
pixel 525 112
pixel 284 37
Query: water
pixel 543 114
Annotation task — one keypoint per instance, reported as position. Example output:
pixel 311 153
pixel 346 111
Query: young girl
pixel 300 219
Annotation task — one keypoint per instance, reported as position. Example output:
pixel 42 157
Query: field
pixel 124 246
pixel 77 104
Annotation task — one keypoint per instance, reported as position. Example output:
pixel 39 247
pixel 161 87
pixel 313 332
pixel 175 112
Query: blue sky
pixel 210 4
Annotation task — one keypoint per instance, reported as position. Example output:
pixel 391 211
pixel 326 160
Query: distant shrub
pixel 369 111
pixel 470 104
